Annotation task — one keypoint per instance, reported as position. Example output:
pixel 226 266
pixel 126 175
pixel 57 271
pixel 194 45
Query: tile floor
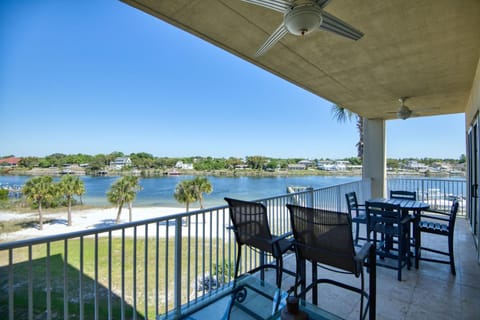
pixel 430 292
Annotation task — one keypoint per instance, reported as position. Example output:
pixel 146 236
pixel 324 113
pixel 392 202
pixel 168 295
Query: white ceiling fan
pixel 404 112
pixel 301 17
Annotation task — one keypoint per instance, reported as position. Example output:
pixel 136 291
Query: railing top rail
pixel 98 230
pixel 457 179
pixel 308 190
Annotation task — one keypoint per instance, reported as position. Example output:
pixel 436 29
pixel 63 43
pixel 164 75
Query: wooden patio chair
pixel 357 213
pixel 443 224
pixel 414 217
pixel 325 239
pixel 393 226
pixel 403 195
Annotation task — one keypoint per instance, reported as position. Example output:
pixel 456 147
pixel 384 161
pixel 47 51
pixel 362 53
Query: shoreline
pixel 151 173
pixel 239 173
pixel 84 219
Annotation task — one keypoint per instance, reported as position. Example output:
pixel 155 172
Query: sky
pixel 98 76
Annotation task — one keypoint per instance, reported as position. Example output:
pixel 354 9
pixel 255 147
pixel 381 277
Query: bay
pixel 158 191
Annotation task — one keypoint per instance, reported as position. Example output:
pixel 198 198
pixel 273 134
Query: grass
pixel 139 266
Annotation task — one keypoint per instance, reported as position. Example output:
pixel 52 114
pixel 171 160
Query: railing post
pixel 423 191
pixel 339 199
pixel 310 197
pixel 177 286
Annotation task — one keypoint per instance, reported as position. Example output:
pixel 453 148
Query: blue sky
pixel 101 76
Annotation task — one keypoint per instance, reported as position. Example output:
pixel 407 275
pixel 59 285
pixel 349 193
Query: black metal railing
pixel 145 268
pixel 439 193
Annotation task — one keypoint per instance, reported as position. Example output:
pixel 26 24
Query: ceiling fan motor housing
pixel 302 20
pixel 404 112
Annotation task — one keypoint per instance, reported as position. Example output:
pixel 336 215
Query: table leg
pixel 315 286
pixel 416 235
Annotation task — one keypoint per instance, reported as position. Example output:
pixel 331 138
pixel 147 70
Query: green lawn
pixel 138 268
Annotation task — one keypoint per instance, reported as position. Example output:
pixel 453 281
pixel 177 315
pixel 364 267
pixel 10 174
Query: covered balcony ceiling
pixel 427 50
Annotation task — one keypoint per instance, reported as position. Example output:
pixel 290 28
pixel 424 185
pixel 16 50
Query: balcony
pixel 430 292
pixel 142 269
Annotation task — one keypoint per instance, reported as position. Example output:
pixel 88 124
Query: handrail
pixel 142 268
pixel 439 193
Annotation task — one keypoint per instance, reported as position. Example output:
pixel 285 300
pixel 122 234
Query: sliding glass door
pixel 473 179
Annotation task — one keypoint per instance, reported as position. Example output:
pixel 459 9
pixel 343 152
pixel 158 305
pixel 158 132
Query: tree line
pixel 146 161
pixel 42 192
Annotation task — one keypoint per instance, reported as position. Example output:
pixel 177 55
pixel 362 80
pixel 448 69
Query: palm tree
pixel 185 193
pixel 341 114
pixel 38 190
pixel 202 185
pixel 70 186
pixel 134 187
pixel 123 191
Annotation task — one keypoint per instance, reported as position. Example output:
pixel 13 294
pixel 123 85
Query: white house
pixel 186 166
pixel 307 163
pixel 120 163
pixel 338 165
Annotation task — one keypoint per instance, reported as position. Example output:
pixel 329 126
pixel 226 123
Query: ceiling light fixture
pixel 303 19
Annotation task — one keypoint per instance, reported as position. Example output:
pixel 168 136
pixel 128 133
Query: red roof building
pixel 11 161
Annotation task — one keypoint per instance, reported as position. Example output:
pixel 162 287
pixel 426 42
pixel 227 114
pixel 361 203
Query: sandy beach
pixel 56 223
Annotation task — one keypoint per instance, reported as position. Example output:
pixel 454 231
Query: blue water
pixel 159 191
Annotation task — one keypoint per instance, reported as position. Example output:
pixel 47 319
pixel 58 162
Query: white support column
pixel 374 156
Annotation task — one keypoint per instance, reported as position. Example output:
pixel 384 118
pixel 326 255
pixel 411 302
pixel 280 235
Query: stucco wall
pixel 473 105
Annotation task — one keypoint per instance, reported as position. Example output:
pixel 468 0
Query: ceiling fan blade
pixel 277 5
pixel 274 38
pixel 323 3
pixel 335 25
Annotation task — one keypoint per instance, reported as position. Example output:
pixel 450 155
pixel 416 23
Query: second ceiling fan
pixel 301 18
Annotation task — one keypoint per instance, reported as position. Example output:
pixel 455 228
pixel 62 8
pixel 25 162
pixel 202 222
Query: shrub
pixel 3 194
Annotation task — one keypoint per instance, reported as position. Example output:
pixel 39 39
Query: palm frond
pixel 341 114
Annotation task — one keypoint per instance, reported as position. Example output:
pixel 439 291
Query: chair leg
pixel 304 279
pixel 419 250
pixel 403 250
pixel 294 288
pixel 408 251
pixel 400 258
pixel 301 274
pixel 372 284
pixel 262 262
pixel 357 232
pixel 417 239
pixel 315 284
pixel 279 265
pixel 450 254
pixel 237 263
pixel 362 288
